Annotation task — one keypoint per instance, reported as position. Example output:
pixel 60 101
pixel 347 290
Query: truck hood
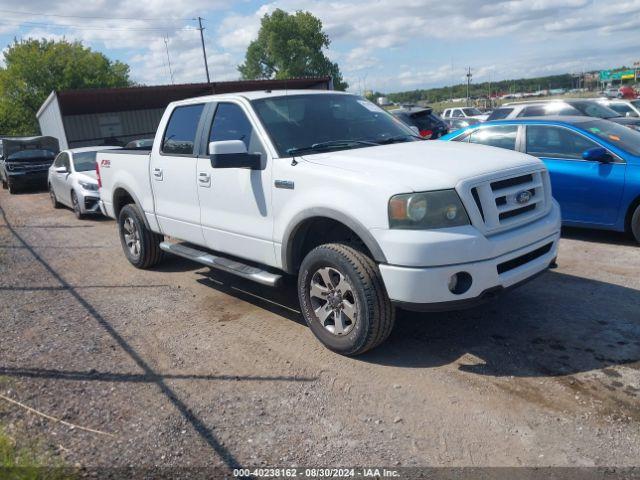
pixel 426 165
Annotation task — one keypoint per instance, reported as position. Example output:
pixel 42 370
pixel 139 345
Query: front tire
pixel 141 246
pixel 4 184
pixel 54 200
pixel 343 299
pixel 76 206
pixel 13 189
pixel 635 224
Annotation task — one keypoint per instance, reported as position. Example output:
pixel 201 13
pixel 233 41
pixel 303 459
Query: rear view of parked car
pixel 24 162
pixel 594 165
pixel 428 124
pixel 72 180
pixel 464 112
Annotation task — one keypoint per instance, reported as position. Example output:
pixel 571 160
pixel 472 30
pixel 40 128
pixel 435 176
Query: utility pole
pixel 469 75
pixel 166 46
pixel 204 51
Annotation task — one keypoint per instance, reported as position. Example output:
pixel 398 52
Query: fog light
pixel 451 212
pixel 460 283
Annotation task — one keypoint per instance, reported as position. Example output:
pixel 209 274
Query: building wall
pixel 111 128
pixel 50 121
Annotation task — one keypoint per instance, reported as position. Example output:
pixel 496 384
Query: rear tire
pixel 635 224
pixel 76 206
pixel 343 299
pixel 54 200
pixel 141 246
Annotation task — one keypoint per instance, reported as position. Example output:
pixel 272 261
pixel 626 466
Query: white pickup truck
pixel 330 188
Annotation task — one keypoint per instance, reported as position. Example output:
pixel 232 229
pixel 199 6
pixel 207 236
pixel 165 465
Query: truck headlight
pixel 427 210
pixel 89 186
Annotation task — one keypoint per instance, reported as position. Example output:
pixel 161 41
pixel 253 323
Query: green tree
pixel 290 46
pixel 33 68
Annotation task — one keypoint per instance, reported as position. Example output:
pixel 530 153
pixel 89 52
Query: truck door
pixel 235 203
pixel 173 175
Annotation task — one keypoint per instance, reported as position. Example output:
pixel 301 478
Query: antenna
pixel 166 46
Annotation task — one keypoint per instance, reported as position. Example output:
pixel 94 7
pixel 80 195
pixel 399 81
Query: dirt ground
pixel 188 367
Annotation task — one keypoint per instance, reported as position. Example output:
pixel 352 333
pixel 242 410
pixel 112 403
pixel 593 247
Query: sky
pixel 382 45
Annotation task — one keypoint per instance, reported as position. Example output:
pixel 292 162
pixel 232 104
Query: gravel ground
pixel 188 367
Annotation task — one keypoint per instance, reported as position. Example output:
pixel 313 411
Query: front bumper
pixel 428 287
pixel 37 178
pixel 89 201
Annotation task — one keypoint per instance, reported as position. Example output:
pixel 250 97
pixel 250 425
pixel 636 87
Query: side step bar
pixel 221 263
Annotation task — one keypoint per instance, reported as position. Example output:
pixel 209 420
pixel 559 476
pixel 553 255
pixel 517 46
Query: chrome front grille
pixel 504 203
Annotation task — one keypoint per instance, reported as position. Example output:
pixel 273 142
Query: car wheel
pixel 54 200
pixel 141 246
pixel 12 187
pixel 4 184
pixel 343 299
pixel 76 206
pixel 635 224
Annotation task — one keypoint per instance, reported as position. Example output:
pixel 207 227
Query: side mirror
pixel 61 169
pixel 233 154
pixel 597 154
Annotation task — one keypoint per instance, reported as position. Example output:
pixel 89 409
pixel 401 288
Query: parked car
pixel 594 165
pixel 566 107
pixel 427 124
pixel 141 143
pixel 625 108
pixel 331 188
pixel 72 180
pixel 24 161
pixel 458 123
pixel 612 92
pixel 464 112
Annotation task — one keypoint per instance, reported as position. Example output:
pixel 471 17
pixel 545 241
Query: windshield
pixel 471 111
pixel 28 155
pixel 622 137
pixel 593 109
pixel 84 161
pixel 324 122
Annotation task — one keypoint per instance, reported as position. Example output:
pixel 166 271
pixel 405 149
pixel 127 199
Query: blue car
pixel 594 165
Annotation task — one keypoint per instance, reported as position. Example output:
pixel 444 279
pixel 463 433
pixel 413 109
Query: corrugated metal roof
pixel 102 100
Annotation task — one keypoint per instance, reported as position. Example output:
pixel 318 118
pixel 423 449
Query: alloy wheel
pixel 333 301
pixel 131 236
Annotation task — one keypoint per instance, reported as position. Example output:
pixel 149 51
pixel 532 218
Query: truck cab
pixel 331 189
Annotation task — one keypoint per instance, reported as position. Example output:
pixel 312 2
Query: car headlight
pixel 427 210
pixel 89 186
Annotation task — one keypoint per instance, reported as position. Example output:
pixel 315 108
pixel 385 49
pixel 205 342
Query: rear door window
pixel 501 136
pixel 180 135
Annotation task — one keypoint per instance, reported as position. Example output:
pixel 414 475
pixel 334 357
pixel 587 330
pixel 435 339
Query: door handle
pixel 204 179
pixel 157 172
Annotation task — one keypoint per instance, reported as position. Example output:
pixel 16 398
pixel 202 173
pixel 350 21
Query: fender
pixel 137 203
pixel 356 226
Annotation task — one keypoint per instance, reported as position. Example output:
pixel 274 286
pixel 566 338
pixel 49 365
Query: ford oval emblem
pixel 523 197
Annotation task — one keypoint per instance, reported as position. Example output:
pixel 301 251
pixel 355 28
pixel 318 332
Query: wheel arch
pixel 122 197
pixel 330 225
pixel 635 203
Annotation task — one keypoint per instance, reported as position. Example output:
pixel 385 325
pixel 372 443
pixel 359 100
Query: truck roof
pixel 259 94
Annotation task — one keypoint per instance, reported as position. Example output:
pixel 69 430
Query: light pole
pixel 469 75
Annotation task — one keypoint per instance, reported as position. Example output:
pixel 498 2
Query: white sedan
pixel 73 181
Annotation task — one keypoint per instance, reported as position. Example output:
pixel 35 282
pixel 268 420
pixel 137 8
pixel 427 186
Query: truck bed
pixel 126 167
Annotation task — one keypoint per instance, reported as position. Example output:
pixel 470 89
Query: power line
pixel 89 16
pixel 81 27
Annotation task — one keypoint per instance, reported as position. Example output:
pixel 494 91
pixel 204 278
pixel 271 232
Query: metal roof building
pixel 115 116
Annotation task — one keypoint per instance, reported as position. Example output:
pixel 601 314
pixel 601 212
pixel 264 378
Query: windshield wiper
pixel 332 144
pixel 398 139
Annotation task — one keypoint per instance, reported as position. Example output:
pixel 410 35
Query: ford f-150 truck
pixel 330 188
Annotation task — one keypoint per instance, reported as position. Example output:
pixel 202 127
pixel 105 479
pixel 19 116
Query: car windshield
pixel 471 111
pixel 622 137
pixel 593 109
pixel 321 122
pixel 84 161
pixel 28 155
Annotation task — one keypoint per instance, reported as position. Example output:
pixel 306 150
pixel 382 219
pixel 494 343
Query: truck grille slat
pixel 509 202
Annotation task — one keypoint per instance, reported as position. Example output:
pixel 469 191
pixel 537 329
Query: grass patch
pixel 22 463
